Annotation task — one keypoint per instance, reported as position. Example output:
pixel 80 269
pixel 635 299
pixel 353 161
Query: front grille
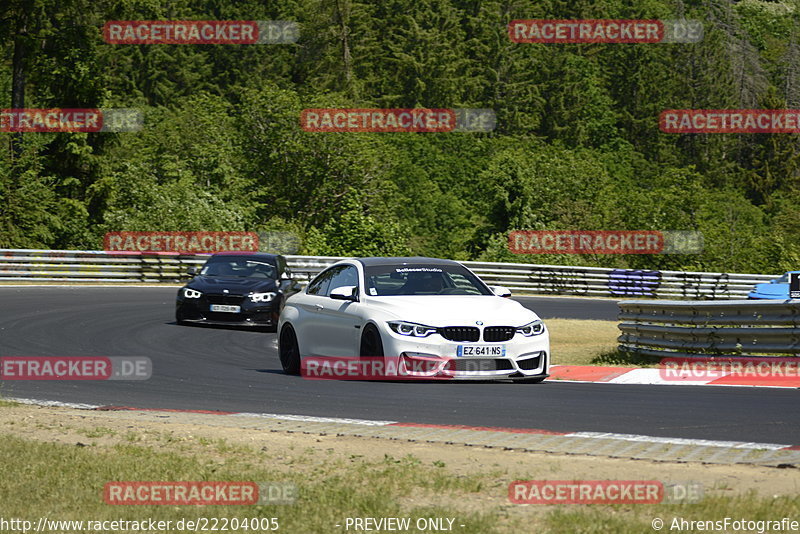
pixel 234 300
pixel 530 364
pixel 460 333
pixel 472 365
pixel 498 333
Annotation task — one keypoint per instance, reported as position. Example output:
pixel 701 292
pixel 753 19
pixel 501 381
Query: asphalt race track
pixel 571 307
pixel 236 370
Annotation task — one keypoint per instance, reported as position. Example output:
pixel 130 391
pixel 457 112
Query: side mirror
pixel 501 291
pixel 192 271
pixel 344 293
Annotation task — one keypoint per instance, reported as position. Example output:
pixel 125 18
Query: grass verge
pixel 581 342
pixel 64 481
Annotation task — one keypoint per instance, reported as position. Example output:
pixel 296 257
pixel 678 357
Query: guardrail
pixel 125 267
pixel 604 282
pixel 690 329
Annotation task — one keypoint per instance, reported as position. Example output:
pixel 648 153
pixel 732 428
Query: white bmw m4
pixel 425 318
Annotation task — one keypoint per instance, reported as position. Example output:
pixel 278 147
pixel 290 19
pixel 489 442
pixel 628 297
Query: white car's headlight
pixel 532 329
pixel 262 297
pixel 190 293
pixel 411 329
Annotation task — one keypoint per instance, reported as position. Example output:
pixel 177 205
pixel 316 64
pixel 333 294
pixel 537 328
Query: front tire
pixel 289 351
pixel 371 344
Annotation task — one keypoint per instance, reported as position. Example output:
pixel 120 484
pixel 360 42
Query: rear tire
pixel 289 351
pixel 371 344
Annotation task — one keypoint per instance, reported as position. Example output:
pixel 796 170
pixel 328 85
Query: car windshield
pixel 784 279
pixel 238 268
pixel 423 279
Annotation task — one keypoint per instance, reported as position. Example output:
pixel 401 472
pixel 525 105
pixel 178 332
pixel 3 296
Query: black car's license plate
pixel 225 308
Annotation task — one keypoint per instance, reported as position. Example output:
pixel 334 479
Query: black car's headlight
pixel 262 297
pixel 190 293
pixel 411 329
pixel 532 329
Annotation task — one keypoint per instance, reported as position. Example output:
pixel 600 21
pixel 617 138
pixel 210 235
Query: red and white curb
pixel 528 439
pixel 635 375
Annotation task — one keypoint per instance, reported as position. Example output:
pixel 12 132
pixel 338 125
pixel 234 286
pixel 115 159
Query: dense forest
pixel 577 143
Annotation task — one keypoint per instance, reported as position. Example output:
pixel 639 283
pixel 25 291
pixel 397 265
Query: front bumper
pixel 251 314
pixel 435 357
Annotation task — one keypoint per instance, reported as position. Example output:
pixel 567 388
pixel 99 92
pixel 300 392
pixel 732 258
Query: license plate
pixel 495 351
pixel 225 308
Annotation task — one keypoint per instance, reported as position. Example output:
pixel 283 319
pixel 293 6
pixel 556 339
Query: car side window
pixel 347 276
pixel 319 286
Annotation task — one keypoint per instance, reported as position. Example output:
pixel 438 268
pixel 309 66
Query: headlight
pixel 532 329
pixel 190 293
pixel 261 297
pixel 411 329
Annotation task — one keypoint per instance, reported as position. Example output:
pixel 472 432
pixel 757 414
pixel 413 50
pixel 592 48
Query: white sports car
pixel 423 317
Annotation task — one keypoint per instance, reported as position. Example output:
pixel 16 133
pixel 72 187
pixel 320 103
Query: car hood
pixel 775 291
pixel 455 310
pixel 236 285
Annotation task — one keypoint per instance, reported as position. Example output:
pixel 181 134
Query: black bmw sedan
pixel 236 288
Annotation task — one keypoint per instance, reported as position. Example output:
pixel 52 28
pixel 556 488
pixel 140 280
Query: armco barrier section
pixel 604 282
pixel 20 265
pixel 689 329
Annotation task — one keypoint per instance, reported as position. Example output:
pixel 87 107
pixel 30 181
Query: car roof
pixel 255 255
pixel 416 260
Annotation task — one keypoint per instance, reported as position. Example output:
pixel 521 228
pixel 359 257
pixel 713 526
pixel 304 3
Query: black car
pixel 244 289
